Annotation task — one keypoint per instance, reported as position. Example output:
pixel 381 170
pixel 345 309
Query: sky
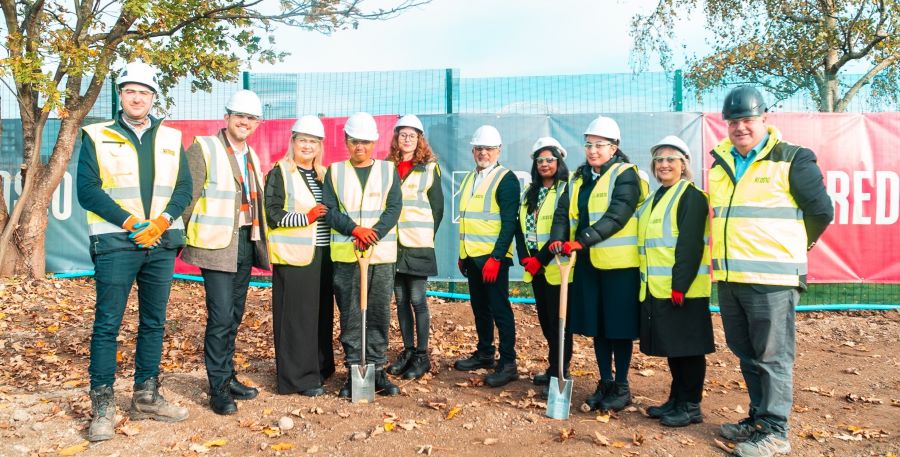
pixel 481 38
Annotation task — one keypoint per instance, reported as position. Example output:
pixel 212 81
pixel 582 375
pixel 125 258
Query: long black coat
pixel 676 331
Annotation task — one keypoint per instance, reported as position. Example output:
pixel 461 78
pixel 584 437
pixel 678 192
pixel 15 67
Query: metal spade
pixel 362 376
pixel 559 400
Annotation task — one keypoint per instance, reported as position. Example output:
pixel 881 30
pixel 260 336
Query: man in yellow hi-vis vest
pixel 134 182
pixel 488 211
pixel 226 238
pixel 769 207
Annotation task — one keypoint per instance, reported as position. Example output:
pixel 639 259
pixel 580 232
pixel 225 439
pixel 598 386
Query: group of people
pixel 642 270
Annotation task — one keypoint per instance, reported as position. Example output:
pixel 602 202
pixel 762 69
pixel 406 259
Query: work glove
pixel 133 224
pixel 490 270
pixel 316 212
pixel 462 267
pixel 677 298
pixel 532 265
pixel 148 236
pixel 555 247
pixel 364 236
pixel 571 246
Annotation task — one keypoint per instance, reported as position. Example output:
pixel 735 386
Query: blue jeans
pixel 115 273
pixel 760 331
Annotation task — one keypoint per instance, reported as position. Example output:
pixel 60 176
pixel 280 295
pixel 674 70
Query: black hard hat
pixel 743 101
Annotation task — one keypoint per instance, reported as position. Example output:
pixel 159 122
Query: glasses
pixel 486 148
pixel 136 93
pixel 358 142
pixel 597 145
pixel 547 160
pixel 667 159
pixel 408 136
pixel 245 117
pixel 306 140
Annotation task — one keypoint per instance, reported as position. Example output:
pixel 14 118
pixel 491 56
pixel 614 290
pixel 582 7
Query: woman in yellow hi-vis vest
pixel 596 214
pixel 299 239
pixel 549 178
pixel 423 209
pixel 673 233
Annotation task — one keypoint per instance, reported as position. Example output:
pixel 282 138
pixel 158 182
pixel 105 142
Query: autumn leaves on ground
pixel 846 388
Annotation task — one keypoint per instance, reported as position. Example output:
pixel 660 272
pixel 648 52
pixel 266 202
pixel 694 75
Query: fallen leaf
pixel 282 446
pixel 600 439
pixel 619 444
pixel 725 447
pixel 388 426
pixel 312 449
pixel 468 426
pixel 604 418
pixel 637 439
pixel 646 373
pixel 53 328
pixel 271 432
pixel 453 411
pixel 408 425
pixel 217 442
pixel 817 435
pixel 74 449
pixel 128 430
pixel 267 411
pixel 198 448
pixel 565 434
pixel 490 441
pixel 424 449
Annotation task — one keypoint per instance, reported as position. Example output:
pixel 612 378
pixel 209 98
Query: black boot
pixel 347 388
pixel 474 362
pixel 384 386
pixel 684 413
pixel 603 388
pixel 221 400
pixel 503 375
pixel 240 391
pixel 103 414
pixel 418 366
pixel 659 411
pixel 402 363
pixel 617 399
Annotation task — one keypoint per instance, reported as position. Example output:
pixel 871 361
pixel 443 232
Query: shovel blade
pixel 362 383
pixel 560 399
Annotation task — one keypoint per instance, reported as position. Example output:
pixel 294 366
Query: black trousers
pixel 226 294
pixel 687 377
pixel 546 297
pixel 490 305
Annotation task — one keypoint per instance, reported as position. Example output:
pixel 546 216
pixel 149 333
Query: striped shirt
pixel 293 219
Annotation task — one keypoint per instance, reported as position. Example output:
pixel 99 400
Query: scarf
pixel 248 205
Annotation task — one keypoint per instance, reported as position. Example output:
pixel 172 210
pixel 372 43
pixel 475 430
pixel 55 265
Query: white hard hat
pixel 361 126
pixel 486 135
pixel 410 120
pixel 310 125
pixel 604 127
pixel 547 142
pixel 672 141
pixel 139 72
pixel 245 102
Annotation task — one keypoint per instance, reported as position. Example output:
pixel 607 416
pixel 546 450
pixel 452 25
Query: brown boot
pixel 147 403
pixel 103 414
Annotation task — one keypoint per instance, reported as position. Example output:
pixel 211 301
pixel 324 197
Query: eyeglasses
pixel 408 136
pixel 358 142
pixel 486 148
pixel 667 159
pixel 547 160
pixel 306 140
pixel 598 144
pixel 135 93
pixel 245 117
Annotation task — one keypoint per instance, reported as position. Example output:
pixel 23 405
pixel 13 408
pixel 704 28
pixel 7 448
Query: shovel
pixel 559 400
pixel 362 376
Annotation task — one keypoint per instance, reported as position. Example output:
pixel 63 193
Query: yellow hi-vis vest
pixel 117 160
pixel 620 250
pixel 479 214
pixel 758 232
pixel 541 234
pixel 364 206
pixel 657 237
pixel 213 220
pixel 415 228
pixel 294 245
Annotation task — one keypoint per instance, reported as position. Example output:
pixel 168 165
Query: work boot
pixel 659 411
pixel 738 432
pixel 541 379
pixel 402 363
pixel 503 375
pixel 240 391
pixel 314 392
pixel 682 414
pixel 617 399
pixel 418 366
pixel 762 444
pixel 148 403
pixel 384 386
pixel 474 362
pixel 347 388
pixel 103 414
pixel 221 401
pixel 603 388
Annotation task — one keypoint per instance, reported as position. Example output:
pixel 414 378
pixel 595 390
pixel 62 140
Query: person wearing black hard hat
pixel 769 208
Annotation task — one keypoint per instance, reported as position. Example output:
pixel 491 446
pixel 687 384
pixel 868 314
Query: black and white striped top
pixel 293 219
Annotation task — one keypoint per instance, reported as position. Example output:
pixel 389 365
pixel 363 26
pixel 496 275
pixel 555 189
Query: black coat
pixel 676 331
pixel 422 261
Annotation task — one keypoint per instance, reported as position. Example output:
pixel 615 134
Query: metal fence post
pixel 448 83
pixel 115 97
pixel 678 92
pixel 245 77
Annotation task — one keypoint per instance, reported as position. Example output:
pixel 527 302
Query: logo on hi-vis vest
pixel 170 152
pixel 761 180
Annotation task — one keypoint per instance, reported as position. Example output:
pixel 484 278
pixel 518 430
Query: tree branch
pixel 842 104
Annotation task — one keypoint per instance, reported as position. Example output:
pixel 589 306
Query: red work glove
pixel 677 298
pixel 462 267
pixel 555 247
pixel 490 270
pixel 364 236
pixel 571 246
pixel 316 212
pixel 532 265
pixel 148 236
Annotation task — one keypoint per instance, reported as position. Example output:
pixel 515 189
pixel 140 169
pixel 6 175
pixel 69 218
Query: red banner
pixel 858 155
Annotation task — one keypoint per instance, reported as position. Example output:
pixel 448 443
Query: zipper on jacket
pixel 734 183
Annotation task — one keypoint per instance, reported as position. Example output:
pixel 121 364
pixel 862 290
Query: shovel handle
pixel 363 258
pixel 564 269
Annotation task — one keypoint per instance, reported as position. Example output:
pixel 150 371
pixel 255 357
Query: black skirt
pixel 604 303
pixel 676 331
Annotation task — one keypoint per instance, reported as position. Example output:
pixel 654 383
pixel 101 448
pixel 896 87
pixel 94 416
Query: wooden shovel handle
pixel 564 269
pixel 363 258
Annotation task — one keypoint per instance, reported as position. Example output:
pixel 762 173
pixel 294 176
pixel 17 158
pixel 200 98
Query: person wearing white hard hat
pixel 299 247
pixel 488 207
pixel 549 179
pixel 364 202
pixel 423 209
pixel 597 215
pixel 226 238
pixel 673 228
pixel 134 182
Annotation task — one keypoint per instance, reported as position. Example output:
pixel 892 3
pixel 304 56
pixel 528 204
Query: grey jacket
pixel 224 259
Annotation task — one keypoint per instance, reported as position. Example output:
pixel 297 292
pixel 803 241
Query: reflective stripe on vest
pixel 479 215
pixel 415 228
pixel 364 207
pixel 657 236
pixel 294 245
pixel 117 161
pixel 542 230
pixel 620 249
pixel 758 232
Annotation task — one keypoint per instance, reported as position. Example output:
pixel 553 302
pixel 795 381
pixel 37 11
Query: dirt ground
pixel 846 387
